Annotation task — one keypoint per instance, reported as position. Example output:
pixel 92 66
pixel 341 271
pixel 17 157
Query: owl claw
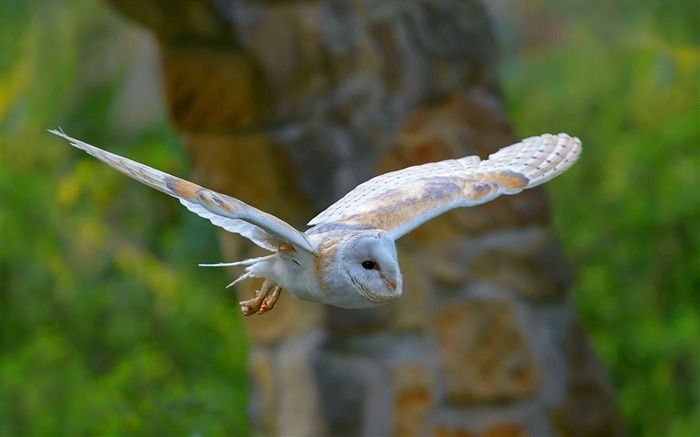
pixel 270 300
pixel 248 307
pixel 264 300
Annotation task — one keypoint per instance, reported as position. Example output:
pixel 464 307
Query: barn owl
pixel 347 257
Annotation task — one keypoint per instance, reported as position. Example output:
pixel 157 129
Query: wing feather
pixel 400 201
pixel 263 229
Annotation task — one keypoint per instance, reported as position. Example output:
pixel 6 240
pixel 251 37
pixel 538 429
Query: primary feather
pixel 263 229
pixel 400 201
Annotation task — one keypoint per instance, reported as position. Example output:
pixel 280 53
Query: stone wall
pixel 287 105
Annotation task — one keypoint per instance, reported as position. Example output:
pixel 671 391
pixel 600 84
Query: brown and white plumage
pixel 348 257
pixel 265 230
pixel 402 200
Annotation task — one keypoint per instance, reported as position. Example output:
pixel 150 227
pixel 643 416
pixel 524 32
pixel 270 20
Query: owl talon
pixel 252 306
pixel 264 300
pixel 269 302
pixel 248 307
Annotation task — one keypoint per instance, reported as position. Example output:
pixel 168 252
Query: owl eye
pixel 369 265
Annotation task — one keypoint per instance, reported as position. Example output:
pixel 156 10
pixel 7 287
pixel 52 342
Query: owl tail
pixel 250 273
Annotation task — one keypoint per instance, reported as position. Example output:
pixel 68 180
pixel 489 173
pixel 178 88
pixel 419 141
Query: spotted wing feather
pixel 263 229
pixel 400 201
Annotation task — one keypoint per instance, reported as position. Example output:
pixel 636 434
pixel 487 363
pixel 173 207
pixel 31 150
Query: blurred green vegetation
pixel 625 78
pixel 109 327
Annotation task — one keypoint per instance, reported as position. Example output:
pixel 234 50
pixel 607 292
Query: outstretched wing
pixel 263 229
pixel 402 200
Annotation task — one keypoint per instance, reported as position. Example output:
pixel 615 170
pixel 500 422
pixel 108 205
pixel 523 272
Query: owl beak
pixel 389 282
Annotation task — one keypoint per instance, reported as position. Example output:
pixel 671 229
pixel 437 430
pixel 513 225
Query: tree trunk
pixel 289 105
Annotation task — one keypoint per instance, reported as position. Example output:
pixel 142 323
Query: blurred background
pixel 108 326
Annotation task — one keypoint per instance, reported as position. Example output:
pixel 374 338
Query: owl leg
pixel 254 305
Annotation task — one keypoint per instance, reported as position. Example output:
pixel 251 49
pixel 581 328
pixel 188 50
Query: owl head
pixel 370 265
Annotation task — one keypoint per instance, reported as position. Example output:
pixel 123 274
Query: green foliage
pixel 107 324
pixel 624 78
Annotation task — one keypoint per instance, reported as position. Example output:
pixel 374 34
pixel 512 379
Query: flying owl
pixel 347 258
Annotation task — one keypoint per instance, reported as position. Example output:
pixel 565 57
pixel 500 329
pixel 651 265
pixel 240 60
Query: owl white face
pixel 369 260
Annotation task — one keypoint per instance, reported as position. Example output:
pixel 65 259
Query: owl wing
pixel 400 201
pixel 265 230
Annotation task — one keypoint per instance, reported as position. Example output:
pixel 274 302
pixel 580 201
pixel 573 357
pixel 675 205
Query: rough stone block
pixel 411 309
pixel 589 408
pixel 483 354
pixel 344 322
pixel 413 385
pixel 498 430
pixel 269 182
pixel 299 399
pixel 525 262
pixel 211 88
pixel 263 403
